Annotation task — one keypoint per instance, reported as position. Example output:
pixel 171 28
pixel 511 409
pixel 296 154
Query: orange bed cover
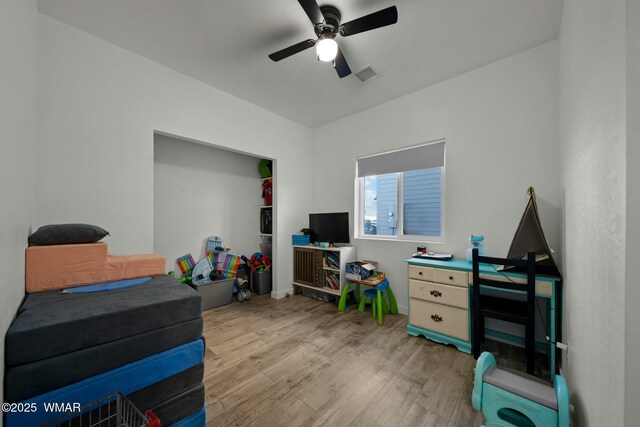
pixel 54 267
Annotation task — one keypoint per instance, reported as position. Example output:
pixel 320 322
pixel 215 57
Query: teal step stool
pixel 510 399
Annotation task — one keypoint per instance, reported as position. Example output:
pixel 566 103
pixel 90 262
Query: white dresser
pixel 439 303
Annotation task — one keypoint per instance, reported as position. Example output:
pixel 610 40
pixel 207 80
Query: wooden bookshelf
pixel 321 269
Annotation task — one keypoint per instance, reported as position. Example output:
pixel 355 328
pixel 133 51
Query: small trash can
pixel 261 282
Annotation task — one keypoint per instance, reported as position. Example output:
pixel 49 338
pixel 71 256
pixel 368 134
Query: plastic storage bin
pixel 300 239
pixel 320 296
pixel 261 282
pixel 216 293
pixel 266 248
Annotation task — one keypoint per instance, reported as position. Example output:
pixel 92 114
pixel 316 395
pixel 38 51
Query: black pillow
pixel 66 234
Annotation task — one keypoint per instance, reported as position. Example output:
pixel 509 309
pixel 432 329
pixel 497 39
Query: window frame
pixel 358 229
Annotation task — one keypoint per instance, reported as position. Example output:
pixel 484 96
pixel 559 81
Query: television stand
pixel 321 269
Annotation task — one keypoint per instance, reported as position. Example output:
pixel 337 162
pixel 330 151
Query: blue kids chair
pixel 509 399
pixel 378 301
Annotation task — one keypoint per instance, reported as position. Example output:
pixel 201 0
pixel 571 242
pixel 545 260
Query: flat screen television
pixel 330 227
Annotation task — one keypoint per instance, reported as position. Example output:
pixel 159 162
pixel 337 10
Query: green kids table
pixel 378 285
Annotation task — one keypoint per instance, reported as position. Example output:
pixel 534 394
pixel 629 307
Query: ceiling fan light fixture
pixel 327 25
pixel 327 49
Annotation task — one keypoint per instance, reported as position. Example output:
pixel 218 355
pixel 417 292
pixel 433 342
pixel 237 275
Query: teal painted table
pixel 440 309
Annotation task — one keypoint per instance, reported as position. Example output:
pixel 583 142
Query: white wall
pixel 99 106
pixel 202 191
pixel 632 296
pixel 593 145
pixel 500 124
pixel 18 50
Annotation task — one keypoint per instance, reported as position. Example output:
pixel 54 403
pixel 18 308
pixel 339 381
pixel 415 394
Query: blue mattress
pixel 199 419
pixel 181 405
pixel 107 286
pixel 125 379
pixel 152 396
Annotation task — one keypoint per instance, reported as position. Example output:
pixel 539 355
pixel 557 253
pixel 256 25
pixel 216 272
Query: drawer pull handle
pixel 436 318
pixel 450 277
pixel 419 273
pixel 436 294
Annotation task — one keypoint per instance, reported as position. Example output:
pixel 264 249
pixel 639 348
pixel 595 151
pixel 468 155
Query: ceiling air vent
pixel 366 74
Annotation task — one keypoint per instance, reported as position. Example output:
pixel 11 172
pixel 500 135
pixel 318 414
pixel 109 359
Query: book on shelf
pixel 333 280
pixel 332 260
pixel 330 282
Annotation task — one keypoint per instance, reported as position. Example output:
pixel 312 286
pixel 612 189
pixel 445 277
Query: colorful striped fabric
pixel 186 263
pixel 226 263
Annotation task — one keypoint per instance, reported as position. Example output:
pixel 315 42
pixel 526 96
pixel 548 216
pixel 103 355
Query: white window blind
pixel 425 156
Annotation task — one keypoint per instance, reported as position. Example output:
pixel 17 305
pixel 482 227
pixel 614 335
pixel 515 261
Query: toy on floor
pixel 509 399
pixel 183 279
pixel 224 263
pixel 218 264
pixel 242 287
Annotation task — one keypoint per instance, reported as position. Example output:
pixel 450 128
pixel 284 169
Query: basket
pixel 300 239
pixel 318 295
pixel 114 410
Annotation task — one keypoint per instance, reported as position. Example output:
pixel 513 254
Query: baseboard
pixel 281 294
pixel 402 309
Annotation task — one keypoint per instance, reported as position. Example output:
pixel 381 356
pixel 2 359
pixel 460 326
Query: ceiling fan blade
pixel 378 19
pixel 341 66
pixel 312 10
pixel 292 50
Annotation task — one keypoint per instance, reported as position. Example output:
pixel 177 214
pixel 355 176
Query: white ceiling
pixel 225 44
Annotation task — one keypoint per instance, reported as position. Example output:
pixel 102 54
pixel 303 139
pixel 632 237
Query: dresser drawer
pixel 422 273
pixel 456 296
pixel 439 318
pixel 452 277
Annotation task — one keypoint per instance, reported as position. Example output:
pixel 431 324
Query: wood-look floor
pixel 299 362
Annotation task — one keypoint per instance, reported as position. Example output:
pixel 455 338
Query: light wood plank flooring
pixel 298 362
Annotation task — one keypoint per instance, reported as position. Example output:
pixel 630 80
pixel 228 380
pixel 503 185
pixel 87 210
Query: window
pixel 400 194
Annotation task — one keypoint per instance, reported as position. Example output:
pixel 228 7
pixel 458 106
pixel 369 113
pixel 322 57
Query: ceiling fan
pixel 326 24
